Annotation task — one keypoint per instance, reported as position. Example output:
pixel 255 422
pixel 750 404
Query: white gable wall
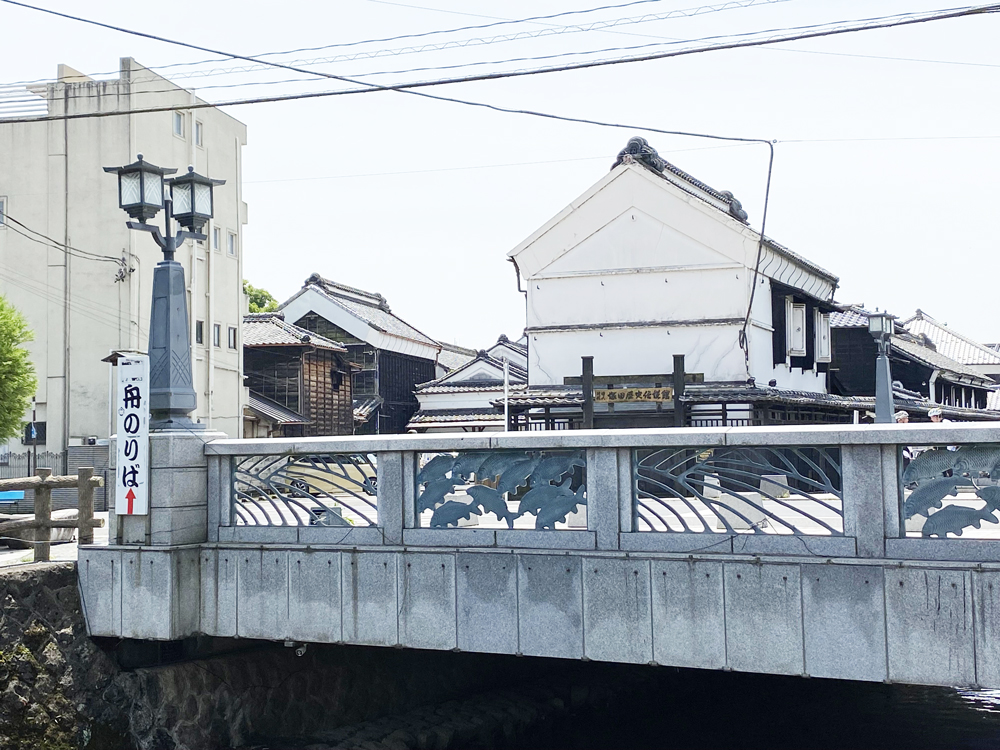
pixel 635 271
pixel 514 356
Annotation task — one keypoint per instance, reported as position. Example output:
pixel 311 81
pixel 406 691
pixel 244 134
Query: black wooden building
pixel 391 356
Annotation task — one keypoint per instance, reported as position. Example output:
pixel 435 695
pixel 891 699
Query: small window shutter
pixel 822 337
pixel 796 321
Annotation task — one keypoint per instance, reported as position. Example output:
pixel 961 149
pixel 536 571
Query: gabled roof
pixel 908 341
pixel 271 329
pixel 600 208
pixel 517 374
pixel 951 343
pixel 369 308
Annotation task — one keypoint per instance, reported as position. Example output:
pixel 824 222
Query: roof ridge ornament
pixel 640 150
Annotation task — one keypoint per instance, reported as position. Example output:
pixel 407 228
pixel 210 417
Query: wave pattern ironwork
pixel 516 489
pixel 950 490
pixel 733 490
pixel 333 489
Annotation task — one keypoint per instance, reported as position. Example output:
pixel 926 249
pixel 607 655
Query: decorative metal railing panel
pixel 333 489
pixel 739 490
pixel 951 491
pixel 502 489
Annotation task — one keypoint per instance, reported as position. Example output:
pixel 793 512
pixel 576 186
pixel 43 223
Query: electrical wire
pixel 68 249
pixel 701 10
pixel 411 88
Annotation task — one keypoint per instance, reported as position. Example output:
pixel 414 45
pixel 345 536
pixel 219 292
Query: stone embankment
pixel 57 688
pixel 60 690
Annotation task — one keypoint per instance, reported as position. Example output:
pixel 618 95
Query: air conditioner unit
pixel 92 440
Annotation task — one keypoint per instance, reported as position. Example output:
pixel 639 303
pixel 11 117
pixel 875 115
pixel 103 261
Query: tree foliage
pixel 17 374
pixel 261 300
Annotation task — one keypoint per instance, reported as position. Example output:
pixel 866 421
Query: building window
pixel 198 129
pixel 179 124
pixel 216 238
pixel 199 332
pixel 231 244
pixel 232 337
pixel 216 334
pixel 3 212
pixel 795 330
pixel 823 353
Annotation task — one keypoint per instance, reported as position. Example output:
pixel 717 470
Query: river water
pixel 623 707
pixel 697 709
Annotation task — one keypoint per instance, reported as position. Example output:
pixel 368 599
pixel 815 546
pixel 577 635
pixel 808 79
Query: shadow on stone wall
pixel 61 690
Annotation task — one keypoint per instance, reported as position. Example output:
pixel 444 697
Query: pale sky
pixel 885 169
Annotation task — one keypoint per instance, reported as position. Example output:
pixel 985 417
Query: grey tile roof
pixel 951 343
pixel 443 416
pixel 369 307
pixel 271 329
pixel 273 411
pixel 452 357
pixel 366 406
pixel 852 317
pixel 935 359
pixel 469 387
pixel 517 374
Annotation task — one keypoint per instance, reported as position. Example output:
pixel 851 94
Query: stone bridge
pixel 847 551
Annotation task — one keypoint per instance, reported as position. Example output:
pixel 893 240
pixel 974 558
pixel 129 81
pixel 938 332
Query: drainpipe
pixel 930 386
pixel 210 323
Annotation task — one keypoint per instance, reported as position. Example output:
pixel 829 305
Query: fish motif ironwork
pixel 929 495
pixel 956 519
pixel 547 486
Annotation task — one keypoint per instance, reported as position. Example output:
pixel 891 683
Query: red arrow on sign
pixel 130 497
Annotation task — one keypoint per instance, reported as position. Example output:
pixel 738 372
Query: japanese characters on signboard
pixel 631 395
pixel 132 409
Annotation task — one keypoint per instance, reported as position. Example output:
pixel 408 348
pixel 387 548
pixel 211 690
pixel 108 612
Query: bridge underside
pixel 845 618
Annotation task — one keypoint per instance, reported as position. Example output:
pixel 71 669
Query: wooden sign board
pixel 632 395
pixel 132 472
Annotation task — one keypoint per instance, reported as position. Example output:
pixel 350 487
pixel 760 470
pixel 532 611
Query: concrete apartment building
pixel 81 308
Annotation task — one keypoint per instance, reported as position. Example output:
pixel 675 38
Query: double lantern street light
pixel 880 326
pixel 188 199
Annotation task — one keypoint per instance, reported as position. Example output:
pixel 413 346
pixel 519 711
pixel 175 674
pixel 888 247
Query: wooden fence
pixel 43 483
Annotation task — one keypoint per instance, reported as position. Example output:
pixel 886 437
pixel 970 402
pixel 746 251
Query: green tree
pixel 261 300
pixel 17 374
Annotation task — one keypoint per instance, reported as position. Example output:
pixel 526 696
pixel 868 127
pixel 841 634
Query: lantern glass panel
pixel 182 198
pixel 203 199
pixel 153 189
pixel 131 187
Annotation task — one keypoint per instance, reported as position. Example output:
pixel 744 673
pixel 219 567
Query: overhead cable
pixel 411 88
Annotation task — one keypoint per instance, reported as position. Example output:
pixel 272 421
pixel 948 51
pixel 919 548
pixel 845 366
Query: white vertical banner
pixel 132 408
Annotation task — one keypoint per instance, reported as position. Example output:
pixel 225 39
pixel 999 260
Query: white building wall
pixel 636 271
pixel 51 175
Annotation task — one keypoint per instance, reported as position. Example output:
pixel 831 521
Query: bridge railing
pixel 918 492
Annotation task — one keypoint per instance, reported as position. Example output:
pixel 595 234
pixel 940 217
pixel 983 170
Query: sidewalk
pixel 59 552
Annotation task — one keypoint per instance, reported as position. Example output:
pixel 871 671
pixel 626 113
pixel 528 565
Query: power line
pixel 865 25
pixel 682 13
pixel 55 244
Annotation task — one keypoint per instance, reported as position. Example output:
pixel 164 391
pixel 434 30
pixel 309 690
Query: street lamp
pixel 880 326
pixel 141 195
